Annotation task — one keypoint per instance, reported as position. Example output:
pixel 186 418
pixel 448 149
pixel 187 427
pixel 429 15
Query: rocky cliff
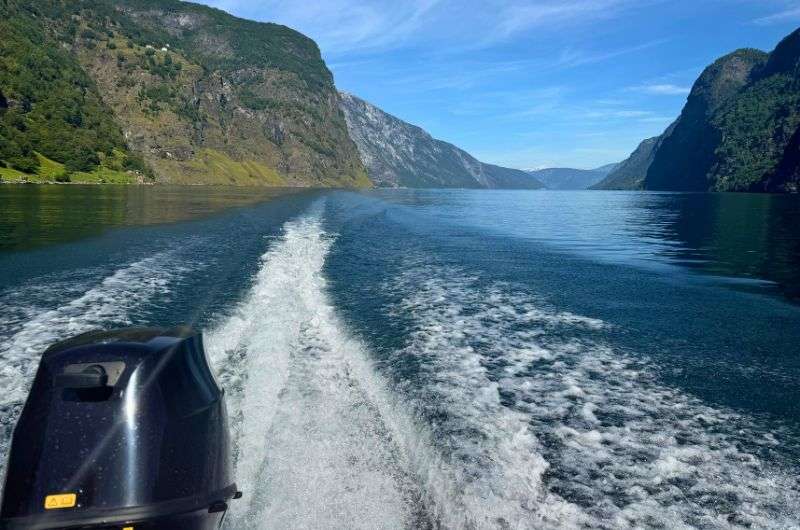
pixel 398 154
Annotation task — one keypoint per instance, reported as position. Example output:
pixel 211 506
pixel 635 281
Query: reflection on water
pixel 743 235
pixel 749 238
pixel 34 215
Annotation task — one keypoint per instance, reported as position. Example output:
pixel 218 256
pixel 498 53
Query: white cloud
pixel 516 18
pixel 666 89
pixel 346 26
pixel 787 15
pixel 341 25
pixel 570 58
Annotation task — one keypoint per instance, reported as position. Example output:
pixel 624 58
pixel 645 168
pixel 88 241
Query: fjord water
pixel 456 359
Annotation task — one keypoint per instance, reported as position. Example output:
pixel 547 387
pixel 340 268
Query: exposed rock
pixel 398 154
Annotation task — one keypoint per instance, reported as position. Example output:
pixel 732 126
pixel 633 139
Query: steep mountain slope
pixel 398 154
pixel 631 172
pixel 685 158
pixel 737 131
pixel 49 107
pixel 562 178
pixel 759 123
pixel 196 95
pixel 786 175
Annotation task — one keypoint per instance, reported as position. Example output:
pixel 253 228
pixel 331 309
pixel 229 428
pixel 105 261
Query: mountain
pixel 562 178
pixel 737 131
pixel 631 172
pixel 786 175
pixel 687 158
pixel 398 154
pixel 168 91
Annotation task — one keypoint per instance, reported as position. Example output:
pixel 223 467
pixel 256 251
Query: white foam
pixel 490 467
pixel 517 417
pixel 554 430
pixel 312 448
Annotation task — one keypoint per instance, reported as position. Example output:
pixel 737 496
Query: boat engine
pixel 122 430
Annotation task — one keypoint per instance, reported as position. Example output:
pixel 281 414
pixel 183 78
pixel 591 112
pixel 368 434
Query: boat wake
pixel 516 415
pixel 312 447
pixel 494 409
pixel 549 427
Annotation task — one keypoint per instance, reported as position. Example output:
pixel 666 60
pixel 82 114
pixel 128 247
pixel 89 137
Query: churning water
pixel 460 359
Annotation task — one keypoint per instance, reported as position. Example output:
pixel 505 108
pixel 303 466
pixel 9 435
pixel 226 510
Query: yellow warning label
pixel 128 528
pixel 61 500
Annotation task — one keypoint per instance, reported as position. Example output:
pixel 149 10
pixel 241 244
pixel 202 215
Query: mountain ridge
pixel 399 154
pixel 564 178
pixel 738 130
pixel 630 173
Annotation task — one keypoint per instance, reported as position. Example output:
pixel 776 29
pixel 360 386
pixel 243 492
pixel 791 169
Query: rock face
pixel 562 178
pixel 631 172
pixel 686 158
pixel 202 96
pixel 398 154
pixel 737 131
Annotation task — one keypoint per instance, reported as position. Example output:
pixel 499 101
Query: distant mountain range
pixel 739 130
pixel 629 174
pixel 168 91
pixel 563 178
pixel 398 154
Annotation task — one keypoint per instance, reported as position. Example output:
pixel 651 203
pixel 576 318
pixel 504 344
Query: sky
pixel 529 84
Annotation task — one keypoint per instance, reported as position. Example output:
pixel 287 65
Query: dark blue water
pixel 457 359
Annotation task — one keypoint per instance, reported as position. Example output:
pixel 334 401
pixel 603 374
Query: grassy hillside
pixel 108 171
pixel 180 92
pixel 53 121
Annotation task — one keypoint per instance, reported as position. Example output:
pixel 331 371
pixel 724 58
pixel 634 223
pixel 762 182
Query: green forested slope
pixel 49 105
pixel 786 175
pixel 685 158
pixel 735 133
pixel 757 125
pixel 179 91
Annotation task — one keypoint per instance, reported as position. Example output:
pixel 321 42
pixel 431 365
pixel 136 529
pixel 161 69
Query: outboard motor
pixel 122 430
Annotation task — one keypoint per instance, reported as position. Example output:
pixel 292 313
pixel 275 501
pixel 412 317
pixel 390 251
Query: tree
pixel 81 159
pixel 25 163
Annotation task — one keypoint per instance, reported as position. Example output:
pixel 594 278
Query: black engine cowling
pixel 122 429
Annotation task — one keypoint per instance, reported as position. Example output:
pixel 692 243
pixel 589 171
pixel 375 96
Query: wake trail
pixel 539 424
pixel 312 448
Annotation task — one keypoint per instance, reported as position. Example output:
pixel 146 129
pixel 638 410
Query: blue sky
pixel 541 83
